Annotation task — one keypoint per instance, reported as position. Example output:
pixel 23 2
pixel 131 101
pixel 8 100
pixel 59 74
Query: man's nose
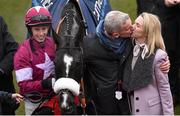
pixel 132 28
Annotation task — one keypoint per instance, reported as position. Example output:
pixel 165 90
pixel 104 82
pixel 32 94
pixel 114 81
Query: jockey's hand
pixel 48 83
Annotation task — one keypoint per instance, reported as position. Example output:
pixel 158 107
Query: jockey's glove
pixel 48 83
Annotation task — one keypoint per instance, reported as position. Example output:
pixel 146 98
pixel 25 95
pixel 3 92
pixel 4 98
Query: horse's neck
pixel 70 42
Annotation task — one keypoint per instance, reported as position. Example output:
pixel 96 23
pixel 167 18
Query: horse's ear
pixel 55 37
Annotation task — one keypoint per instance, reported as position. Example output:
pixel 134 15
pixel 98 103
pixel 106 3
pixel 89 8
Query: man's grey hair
pixel 114 21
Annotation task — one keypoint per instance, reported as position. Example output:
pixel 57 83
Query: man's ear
pixel 115 34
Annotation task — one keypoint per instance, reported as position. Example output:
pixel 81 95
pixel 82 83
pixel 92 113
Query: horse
pixel 69 56
pixel 68 64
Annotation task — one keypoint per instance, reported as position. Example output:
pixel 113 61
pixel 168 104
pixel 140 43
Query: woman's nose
pixel 41 32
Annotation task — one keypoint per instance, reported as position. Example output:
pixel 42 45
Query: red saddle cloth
pixel 54 105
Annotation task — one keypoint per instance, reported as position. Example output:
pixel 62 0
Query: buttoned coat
pixel 155 98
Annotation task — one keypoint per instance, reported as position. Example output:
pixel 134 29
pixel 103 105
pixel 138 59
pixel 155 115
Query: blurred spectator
pixel 11 98
pixel 8 47
pixel 145 6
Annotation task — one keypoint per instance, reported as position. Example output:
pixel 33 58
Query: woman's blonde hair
pixel 152 30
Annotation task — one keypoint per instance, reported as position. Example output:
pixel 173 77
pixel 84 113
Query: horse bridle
pixel 70 108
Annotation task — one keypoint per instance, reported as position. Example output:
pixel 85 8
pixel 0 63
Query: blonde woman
pixel 148 87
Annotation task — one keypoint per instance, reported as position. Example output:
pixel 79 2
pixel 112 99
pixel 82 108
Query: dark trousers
pixel 174 79
pixel 172 42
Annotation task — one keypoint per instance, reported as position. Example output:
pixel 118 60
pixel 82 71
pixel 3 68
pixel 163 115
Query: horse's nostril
pixel 64 107
pixel 67 108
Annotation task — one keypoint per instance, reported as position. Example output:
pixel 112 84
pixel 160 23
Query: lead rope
pixel 82 94
pixel 82 97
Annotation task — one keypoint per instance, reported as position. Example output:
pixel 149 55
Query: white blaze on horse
pixel 67 61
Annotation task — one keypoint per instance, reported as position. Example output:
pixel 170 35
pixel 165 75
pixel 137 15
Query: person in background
pixel 9 97
pixel 8 47
pixel 168 13
pixel 147 86
pixel 105 54
pixel 145 6
pixel 33 61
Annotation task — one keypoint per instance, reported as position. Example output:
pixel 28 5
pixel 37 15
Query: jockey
pixel 33 62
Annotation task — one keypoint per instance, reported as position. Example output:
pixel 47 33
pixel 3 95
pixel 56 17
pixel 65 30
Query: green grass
pixel 128 6
pixel 14 11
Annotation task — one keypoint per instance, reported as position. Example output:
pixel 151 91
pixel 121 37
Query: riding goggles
pixel 40 18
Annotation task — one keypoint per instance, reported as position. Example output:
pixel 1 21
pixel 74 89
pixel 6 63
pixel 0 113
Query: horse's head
pixel 68 60
pixel 67 91
pixel 71 27
pixel 69 63
pixel 69 36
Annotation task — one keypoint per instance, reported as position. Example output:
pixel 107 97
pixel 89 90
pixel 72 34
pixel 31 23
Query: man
pixel 8 47
pixel 104 55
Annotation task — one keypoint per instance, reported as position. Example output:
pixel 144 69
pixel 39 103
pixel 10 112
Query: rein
pixel 37 97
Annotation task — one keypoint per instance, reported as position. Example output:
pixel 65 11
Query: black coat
pixel 103 68
pixel 145 6
pixel 8 47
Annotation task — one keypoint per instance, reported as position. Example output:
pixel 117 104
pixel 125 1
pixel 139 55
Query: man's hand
pixel 165 66
pixel 170 3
